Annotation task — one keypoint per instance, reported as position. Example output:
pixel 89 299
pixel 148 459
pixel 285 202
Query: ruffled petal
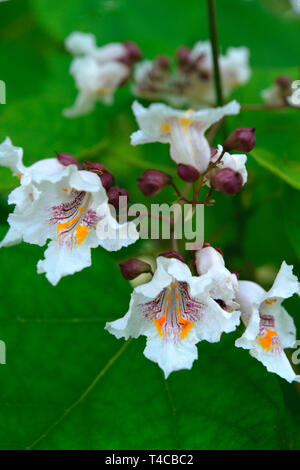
pixel 112 235
pixel 11 156
pixel 60 261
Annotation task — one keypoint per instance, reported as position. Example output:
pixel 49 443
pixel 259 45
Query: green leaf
pixel 284 166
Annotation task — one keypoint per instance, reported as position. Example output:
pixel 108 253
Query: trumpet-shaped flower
pixel 175 310
pixel 98 72
pixel 63 204
pixel 183 130
pixel 269 328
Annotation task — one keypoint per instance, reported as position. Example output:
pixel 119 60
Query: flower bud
pixel 118 197
pixel 227 181
pixel 183 55
pixel 66 159
pixel 106 177
pixel 162 61
pixel 133 267
pixel 284 82
pixel 241 139
pixel 172 254
pixel 133 53
pixel 153 181
pixel 187 173
pixel 213 151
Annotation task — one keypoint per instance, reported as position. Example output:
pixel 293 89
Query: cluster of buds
pixel 192 82
pixel 281 93
pixel 98 71
pixel 117 197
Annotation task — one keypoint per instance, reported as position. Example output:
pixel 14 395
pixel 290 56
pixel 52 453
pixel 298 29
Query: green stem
pixel 215 49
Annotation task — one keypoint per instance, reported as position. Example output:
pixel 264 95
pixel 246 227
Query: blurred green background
pixel 67 384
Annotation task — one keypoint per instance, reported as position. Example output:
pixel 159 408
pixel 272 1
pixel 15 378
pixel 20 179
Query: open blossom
pixel 98 71
pixel 183 130
pixel 175 311
pixel 63 204
pixel 269 328
pixel 192 83
pixel 234 70
pixel 235 162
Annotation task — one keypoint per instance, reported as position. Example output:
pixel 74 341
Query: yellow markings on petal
pixel 185 327
pixel 165 128
pixel 82 208
pixel 189 112
pixel 63 225
pixel 270 301
pixel 266 340
pixel 159 323
pixel 81 233
pixel 185 121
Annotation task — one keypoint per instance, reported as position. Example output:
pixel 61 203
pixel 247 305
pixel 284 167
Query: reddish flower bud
pixel 106 177
pixel 284 82
pixel 133 53
pixel 163 62
pixel 187 173
pixel 183 55
pixel 133 267
pixel 172 254
pixel 241 139
pixel 66 159
pixel 153 181
pixel 227 181
pixel 213 151
pixel 114 194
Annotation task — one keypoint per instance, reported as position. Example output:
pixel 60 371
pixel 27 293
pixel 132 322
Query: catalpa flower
pixel 183 130
pixel 194 84
pixel 175 311
pixel 98 72
pixel 64 204
pixel 269 328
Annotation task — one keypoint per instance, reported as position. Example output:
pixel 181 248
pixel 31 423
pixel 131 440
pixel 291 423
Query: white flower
pixel 183 130
pixel 295 4
pixel 98 73
pixel 174 311
pixel 59 203
pixel 236 162
pixel 269 328
pixel 234 70
pixel 224 288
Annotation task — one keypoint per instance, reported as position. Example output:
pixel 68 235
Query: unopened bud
pixel 133 267
pixel 133 53
pixel 183 55
pixel 241 139
pixel 163 62
pixel 153 181
pixel 118 197
pixel 213 151
pixel 284 82
pixel 106 177
pixel 66 159
pixel 227 181
pixel 172 254
pixel 187 173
